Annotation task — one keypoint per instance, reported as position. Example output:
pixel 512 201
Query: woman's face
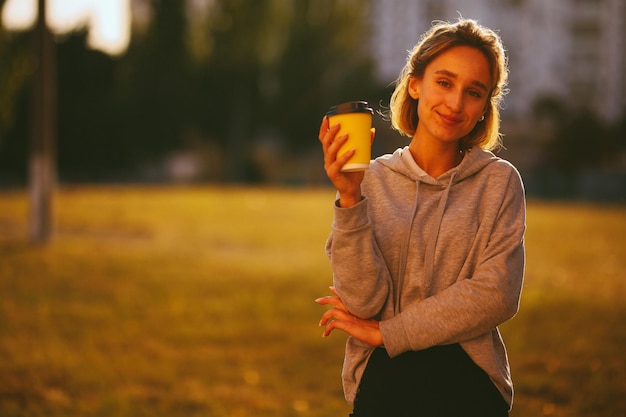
pixel 452 94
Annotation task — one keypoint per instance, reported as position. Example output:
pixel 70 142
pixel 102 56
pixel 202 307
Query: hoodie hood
pixel 402 162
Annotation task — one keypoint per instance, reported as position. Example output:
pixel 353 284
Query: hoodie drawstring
pixel 431 245
pixel 405 252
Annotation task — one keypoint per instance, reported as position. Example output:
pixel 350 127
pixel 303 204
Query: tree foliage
pixel 223 77
pixel 228 74
pixel 580 138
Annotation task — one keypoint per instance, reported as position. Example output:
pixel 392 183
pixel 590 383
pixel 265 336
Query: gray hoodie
pixel 436 260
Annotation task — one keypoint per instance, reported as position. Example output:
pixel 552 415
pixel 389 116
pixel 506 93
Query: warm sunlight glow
pixel 108 20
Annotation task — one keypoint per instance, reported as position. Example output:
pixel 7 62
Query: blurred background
pixel 179 139
pixel 233 91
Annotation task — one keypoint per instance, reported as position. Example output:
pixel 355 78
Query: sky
pixel 108 20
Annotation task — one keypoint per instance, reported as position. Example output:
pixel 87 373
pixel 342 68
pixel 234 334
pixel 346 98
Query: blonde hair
pixel 441 37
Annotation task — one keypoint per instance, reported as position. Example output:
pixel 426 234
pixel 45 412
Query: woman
pixel 427 245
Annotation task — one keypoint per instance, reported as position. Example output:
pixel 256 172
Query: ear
pixel 487 108
pixel 484 112
pixel 414 87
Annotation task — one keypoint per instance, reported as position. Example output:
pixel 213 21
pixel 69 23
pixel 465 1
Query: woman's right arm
pixel 360 277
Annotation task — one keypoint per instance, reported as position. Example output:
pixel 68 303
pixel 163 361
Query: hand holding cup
pixel 340 162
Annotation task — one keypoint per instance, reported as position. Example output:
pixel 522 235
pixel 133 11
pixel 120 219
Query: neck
pixel 435 159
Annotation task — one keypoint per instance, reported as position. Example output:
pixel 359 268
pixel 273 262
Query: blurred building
pixel 570 50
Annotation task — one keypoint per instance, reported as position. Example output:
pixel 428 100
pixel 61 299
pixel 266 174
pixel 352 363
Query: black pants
pixel 438 382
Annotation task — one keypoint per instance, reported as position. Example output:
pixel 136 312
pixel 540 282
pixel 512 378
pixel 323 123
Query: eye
pixel 444 83
pixel 475 93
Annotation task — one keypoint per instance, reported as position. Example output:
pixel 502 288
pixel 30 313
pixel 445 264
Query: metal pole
pixel 42 172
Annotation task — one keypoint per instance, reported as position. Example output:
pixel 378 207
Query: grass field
pixel 198 301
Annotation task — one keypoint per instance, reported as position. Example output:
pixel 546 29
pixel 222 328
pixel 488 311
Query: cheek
pixel 477 110
pixel 421 106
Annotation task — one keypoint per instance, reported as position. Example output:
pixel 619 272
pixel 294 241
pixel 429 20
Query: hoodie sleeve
pixel 360 275
pixel 471 307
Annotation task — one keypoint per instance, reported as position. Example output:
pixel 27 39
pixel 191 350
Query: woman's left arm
pixel 470 307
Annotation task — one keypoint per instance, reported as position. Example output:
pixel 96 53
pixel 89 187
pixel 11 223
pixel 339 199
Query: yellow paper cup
pixel 355 119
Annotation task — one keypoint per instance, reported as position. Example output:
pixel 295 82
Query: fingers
pixel 338 317
pixel 367 331
pixel 352 327
pixel 323 128
pixel 335 314
pixel 330 300
pixel 331 144
pixel 327 133
pixel 332 326
pixel 373 130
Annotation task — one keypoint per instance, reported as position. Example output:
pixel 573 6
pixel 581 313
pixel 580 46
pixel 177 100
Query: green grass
pixel 567 342
pixel 198 301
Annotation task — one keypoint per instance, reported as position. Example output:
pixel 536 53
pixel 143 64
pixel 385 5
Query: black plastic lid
pixel 350 107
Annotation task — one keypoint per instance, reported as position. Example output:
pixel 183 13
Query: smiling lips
pixel 450 120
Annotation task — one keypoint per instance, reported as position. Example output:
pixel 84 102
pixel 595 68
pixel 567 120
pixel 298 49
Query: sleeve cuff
pixel 351 218
pixel 394 337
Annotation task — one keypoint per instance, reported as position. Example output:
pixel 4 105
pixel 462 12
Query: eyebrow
pixel 453 75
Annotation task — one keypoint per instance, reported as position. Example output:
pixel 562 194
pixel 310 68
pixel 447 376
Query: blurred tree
pixel 582 141
pixel 230 71
pixel 42 161
pixel 616 146
pixel 16 68
pixel 549 109
pixel 228 99
pixel 578 138
pixel 275 66
pixel 90 141
pixel 582 154
pixel 156 87
pixel 325 62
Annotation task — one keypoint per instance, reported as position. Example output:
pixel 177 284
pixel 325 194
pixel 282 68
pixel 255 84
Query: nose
pixel 455 101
